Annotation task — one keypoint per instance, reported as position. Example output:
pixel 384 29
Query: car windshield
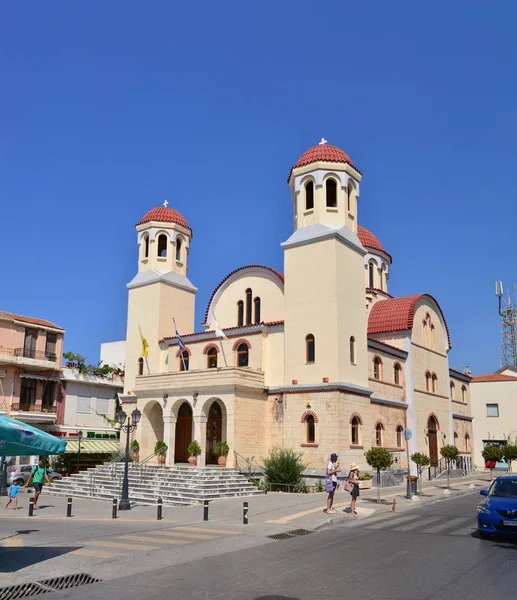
pixel 505 488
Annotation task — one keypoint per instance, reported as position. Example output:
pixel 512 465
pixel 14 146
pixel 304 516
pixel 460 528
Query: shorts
pixel 334 483
pixel 37 486
pixel 355 492
pixel 13 497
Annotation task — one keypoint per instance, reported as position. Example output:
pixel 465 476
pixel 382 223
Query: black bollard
pixel 205 510
pixel 31 506
pixel 69 508
pixel 245 513
pixel 160 509
pixel 114 510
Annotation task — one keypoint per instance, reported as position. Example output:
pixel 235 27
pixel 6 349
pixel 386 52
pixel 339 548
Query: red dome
pixel 165 215
pixel 369 240
pixel 323 152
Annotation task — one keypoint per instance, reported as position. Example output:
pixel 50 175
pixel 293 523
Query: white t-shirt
pixel 331 467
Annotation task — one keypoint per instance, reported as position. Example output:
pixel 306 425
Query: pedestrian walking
pixel 353 487
pixel 331 481
pixel 13 495
pixel 38 476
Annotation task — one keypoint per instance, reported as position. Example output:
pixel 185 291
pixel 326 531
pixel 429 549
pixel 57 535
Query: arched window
pixel 310 429
pixel 309 195
pixel 349 199
pixel 240 313
pixel 463 394
pixel 396 373
pixel 432 424
pixel 377 368
pixel 356 428
pixel 428 382
pixel 310 349
pixel 256 305
pixel 211 358
pixel 455 439
pixel 162 245
pixel 184 361
pixel 242 355
pixel 378 434
pixel 248 306
pixel 432 340
pixel 467 442
pixel 424 333
pixel 399 436
pixel 146 246
pixel 371 275
pixel 352 350
pixel 453 391
pixel 140 366
pixel 331 189
pixel 178 249
pixel 435 383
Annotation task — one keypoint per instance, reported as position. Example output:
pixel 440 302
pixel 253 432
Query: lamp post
pixel 79 437
pixel 131 425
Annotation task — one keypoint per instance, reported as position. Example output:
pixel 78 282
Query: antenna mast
pixel 508 314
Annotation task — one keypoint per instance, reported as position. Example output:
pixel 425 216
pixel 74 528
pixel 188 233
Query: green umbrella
pixel 20 439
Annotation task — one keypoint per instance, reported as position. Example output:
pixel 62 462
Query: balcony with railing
pixel 33 412
pixel 29 357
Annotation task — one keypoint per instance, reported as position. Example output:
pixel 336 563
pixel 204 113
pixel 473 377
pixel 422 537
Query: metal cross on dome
pixel 323 142
pixel 166 203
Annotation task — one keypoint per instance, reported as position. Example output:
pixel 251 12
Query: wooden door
pixel 433 447
pixel 213 435
pixel 182 439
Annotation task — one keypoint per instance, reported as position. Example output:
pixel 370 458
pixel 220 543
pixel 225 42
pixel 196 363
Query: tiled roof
pixel 397 314
pixel 323 152
pixel 30 320
pixel 492 377
pixel 165 215
pixel 228 331
pixel 280 275
pixel 371 241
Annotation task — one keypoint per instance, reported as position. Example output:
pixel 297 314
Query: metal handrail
pixel 249 464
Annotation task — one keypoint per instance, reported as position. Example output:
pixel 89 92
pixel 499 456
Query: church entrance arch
pixel 432 431
pixel 151 427
pixel 183 436
pixel 214 431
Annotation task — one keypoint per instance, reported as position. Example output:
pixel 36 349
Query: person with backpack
pixel 331 481
pixel 38 476
pixel 352 486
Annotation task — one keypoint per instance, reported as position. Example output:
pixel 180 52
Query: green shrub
pixel 222 449
pixel 194 449
pixel 160 447
pixel 135 446
pixel 379 459
pixel 284 465
pixel 365 476
pixel 319 487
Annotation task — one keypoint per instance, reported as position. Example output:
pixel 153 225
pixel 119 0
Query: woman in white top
pixel 332 470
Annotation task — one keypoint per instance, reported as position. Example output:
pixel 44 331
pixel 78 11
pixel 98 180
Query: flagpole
pixel 221 342
pixel 181 351
pixel 145 357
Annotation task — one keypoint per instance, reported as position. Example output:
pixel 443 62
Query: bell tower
pixel 160 291
pixel 325 316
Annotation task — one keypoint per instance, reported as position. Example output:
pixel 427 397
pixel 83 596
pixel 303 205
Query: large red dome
pixel 323 152
pixel 165 215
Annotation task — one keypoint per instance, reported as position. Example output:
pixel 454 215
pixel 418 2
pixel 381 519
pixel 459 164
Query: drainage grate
pixel 286 535
pixel 28 590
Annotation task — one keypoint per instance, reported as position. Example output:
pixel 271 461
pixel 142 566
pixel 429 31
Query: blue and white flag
pixel 181 343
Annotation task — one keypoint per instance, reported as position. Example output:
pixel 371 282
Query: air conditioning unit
pixel 3 373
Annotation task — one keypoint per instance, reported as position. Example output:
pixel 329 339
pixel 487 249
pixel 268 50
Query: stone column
pixel 200 436
pixel 169 437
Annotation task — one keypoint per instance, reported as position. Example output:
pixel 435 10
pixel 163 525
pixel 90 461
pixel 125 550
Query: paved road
pixel 429 553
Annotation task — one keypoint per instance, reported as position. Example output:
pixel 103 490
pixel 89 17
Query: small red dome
pixel 323 152
pixel 165 215
pixel 369 240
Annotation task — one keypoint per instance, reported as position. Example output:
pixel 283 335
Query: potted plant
pixel 160 449
pixel 222 449
pixel 135 450
pixel 365 481
pixel 194 450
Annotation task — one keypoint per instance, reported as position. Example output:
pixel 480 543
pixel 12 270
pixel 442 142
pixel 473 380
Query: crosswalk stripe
pixel 202 530
pixel 154 540
pixel 417 524
pixel 465 530
pixel 95 553
pixel 12 542
pixel 390 522
pixel 446 525
pixel 194 536
pixel 122 546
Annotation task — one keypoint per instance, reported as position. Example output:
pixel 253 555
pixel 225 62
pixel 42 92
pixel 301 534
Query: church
pixel 319 358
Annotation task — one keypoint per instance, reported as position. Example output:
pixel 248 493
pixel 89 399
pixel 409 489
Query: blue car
pixel 497 513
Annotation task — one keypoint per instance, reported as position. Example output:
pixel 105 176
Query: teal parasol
pixel 20 439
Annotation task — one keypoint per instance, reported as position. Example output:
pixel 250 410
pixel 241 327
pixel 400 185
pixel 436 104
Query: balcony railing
pixel 27 407
pixel 36 354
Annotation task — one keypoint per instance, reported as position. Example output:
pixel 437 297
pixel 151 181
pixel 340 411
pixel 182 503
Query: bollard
pixel 159 516
pixel 393 505
pixel 205 510
pixel 114 510
pixel 31 506
pixel 245 513
pixel 69 508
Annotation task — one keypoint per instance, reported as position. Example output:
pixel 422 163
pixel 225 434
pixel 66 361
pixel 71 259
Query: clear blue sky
pixel 108 108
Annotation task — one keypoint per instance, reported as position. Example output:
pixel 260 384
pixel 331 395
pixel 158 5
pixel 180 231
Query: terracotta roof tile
pixel 165 215
pixel 492 377
pixel 30 320
pixel 323 152
pixel 371 241
pixel 229 331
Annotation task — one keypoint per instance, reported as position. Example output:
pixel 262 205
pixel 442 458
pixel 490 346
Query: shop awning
pixel 38 377
pixel 93 446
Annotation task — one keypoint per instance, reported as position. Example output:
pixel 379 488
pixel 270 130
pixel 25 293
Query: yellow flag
pixel 145 346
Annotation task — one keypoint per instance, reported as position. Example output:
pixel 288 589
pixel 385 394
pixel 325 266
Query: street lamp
pixel 131 425
pixel 79 437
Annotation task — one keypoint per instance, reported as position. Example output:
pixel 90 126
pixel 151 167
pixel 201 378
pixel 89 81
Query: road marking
pixel 202 529
pixel 305 512
pixel 194 536
pixel 154 540
pixel 446 525
pixel 465 530
pixel 120 545
pixel 95 553
pixel 390 522
pixel 417 524
pixel 68 520
pixel 12 542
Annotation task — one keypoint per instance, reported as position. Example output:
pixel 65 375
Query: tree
pixel 492 454
pixel 510 454
pixel 421 461
pixel 450 453
pixel 379 459
pixel 283 466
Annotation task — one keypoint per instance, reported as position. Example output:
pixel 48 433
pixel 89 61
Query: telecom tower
pixel 508 312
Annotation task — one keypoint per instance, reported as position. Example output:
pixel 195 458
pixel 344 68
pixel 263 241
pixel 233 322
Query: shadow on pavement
pixel 275 598
pixel 19 532
pixel 14 559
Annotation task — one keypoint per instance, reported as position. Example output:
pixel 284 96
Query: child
pixel 13 495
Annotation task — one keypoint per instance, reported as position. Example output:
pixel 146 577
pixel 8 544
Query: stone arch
pixel 311 413
pixel 151 427
pixel 208 346
pixel 355 415
pixel 184 429
pixel 239 342
pixel 214 410
pixel 187 350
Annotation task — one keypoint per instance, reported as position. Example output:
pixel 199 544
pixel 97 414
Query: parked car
pixel 21 474
pixel 497 513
